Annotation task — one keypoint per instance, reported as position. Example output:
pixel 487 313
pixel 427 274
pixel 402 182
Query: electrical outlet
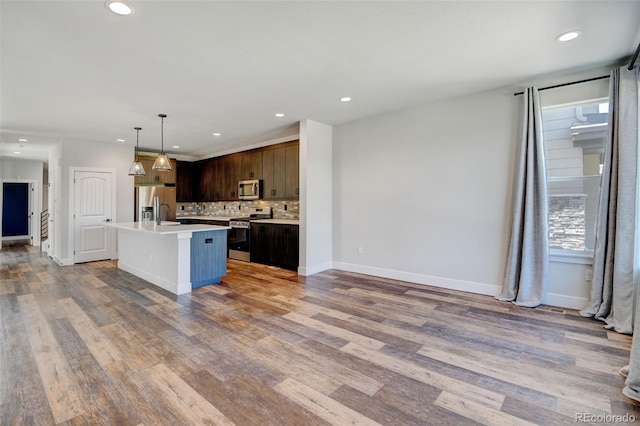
pixel 588 275
pixel 285 207
pixel 360 250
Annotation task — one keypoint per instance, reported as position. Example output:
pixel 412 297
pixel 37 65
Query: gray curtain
pixel 632 371
pixel 527 270
pixel 612 287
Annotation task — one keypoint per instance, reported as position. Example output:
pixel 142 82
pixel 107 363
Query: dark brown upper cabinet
pixel 232 168
pixel 187 181
pixel 274 173
pixel 251 165
pixel 292 166
pixel 216 179
pixel 281 171
pixel 210 180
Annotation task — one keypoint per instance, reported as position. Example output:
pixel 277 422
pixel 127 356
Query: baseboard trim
pixel 17 238
pixel 61 262
pixel 310 270
pixel 448 283
pixel 563 301
pixel 176 288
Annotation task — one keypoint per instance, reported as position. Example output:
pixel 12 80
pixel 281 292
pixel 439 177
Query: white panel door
pixel 92 213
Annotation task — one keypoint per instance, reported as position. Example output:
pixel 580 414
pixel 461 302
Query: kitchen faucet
pixel 156 209
pixel 158 221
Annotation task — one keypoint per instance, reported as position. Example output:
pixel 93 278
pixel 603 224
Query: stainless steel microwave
pixel 250 189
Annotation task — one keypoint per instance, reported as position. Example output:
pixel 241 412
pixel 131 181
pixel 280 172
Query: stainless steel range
pixel 239 241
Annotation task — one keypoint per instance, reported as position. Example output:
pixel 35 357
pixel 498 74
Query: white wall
pixel 99 156
pixel 55 202
pixel 12 169
pixel 315 197
pixel 426 192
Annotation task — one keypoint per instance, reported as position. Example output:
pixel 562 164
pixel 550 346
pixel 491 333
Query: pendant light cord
pixel 162 117
pixel 137 139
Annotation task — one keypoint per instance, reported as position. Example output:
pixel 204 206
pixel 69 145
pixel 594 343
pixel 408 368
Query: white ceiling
pixel 74 70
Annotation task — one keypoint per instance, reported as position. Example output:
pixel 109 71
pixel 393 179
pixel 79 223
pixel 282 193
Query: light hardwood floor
pixel 90 344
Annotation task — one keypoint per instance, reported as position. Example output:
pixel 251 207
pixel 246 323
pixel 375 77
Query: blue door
pixel 15 209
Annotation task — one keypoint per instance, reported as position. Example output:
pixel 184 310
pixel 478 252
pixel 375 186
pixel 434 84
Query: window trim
pixel 570 256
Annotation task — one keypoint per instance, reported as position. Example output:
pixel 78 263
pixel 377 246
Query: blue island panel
pixel 208 257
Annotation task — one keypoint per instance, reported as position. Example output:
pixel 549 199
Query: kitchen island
pixel 176 257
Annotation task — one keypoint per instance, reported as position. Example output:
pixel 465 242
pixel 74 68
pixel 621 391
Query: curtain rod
pixel 631 65
pixel 567 84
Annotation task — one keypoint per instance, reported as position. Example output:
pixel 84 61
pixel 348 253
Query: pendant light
pixel 162 162
pixel 136 168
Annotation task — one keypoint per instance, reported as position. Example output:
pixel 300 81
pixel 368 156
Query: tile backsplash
pixel 281 209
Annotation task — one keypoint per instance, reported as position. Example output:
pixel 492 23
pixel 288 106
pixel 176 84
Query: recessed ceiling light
pixel 119 7
pixel 23 140
pixel 120 140
pixel 216 134
pixel 176 146
pixel 345 99
pixel 17 152
pixel 279 115
pixel 568 36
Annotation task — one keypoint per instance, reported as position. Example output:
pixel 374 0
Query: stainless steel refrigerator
pixel 144 201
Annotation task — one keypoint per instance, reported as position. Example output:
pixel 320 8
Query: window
pixel 574 139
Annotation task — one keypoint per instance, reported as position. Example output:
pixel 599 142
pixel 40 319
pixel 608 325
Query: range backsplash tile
pixel 281 209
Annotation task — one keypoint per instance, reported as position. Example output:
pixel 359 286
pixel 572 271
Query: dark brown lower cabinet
pixel 275 244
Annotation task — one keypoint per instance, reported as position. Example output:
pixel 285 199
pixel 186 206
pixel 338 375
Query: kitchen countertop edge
pixel 168 229
pixel 277 221
pixel 221 219
pixel 227 219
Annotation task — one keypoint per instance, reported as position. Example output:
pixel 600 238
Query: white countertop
pixel 277 221
pixel 168 228
pixel 220 218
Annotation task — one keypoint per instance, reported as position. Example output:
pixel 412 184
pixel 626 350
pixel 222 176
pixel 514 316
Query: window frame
pixel 559 255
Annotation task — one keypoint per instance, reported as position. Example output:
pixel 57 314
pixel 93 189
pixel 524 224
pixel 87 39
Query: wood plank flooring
pixel 90 344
